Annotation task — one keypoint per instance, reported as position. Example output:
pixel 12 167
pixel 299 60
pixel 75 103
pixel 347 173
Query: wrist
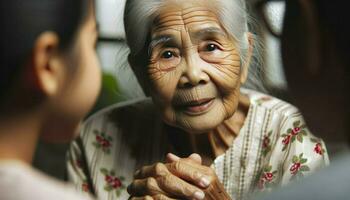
pixel 216 191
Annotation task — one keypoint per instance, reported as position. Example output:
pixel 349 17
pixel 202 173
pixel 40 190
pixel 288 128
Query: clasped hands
pixel 178 178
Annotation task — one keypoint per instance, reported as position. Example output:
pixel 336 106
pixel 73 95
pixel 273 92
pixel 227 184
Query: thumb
pixel 196 158
pixel 172 158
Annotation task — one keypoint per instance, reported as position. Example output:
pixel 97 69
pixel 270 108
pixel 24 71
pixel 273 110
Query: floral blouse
pixel 274 147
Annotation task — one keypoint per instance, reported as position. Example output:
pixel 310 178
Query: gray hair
pixel 140 14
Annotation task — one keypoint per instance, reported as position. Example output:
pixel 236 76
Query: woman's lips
pixel 198 106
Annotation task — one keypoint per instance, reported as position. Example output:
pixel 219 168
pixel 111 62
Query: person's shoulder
pixel 19 181
pixel 272 104
pixel 120 113
pixel 128 106
pixel 286 122
pixel 129 117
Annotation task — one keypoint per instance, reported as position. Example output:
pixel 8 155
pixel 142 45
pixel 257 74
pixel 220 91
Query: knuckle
pixel 148 198
pixel 177 166
pixel 151 184
pixel 159 169
pixel 166 180
pixel 187 191
pixel 196 175
pixel 159 197
pixel 180 188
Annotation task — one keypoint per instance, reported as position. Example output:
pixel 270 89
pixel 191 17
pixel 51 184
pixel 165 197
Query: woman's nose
pixel 193 74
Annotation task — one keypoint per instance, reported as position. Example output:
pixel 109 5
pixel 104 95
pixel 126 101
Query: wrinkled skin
pixel 193 60
pixel 194 76
pixel 179 178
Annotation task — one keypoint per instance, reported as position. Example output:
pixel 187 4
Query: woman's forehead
pixel 192 17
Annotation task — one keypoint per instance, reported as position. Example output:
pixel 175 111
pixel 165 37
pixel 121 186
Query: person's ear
pixel 245 67
pixel 45 70
pixel 139 71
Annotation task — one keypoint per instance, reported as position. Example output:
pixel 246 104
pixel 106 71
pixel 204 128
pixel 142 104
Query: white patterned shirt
pixel 272 148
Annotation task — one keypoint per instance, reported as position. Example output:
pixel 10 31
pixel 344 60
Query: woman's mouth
pixel 198 106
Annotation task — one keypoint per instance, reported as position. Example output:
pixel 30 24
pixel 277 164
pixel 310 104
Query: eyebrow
pixel 157 41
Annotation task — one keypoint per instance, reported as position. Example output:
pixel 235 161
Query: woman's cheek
pixel 224 67
pixel 226 77
pixel 163 85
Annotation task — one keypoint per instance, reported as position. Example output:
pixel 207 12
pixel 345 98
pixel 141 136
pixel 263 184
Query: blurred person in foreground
pixel 49 79
pixel 315 49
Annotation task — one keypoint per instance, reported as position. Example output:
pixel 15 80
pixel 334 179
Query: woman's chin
pixel 199 124
pixel 196 122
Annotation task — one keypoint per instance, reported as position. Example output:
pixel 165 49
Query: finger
pixel 142 187
pixel 172 158
pixel 161 197
pixel 141 198
pixel 196 158
pixel 177 187
pixel 191 172
pixel 156 170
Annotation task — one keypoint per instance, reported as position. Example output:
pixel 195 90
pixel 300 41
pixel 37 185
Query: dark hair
pixel 22 21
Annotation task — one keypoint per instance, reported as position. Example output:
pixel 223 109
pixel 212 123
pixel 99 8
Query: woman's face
pixel 194 66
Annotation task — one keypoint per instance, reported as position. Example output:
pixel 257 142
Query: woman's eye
pixel 211 47
pixel 167 54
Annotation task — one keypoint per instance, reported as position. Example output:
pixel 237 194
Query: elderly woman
pixel 192 57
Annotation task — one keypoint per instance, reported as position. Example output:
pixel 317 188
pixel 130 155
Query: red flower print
pixel 318 149
pixel 116 183
pixel 99 138
pixel 266 142
pixel 296 130
pixel 108 179
pixel 79 163
pixel 113 183
pixel 299 166
pixel 268 176
pixel 295 168
pixel 85 187
pixel 103 141
pixel 286 139
pixel 106 143
pixel 266 146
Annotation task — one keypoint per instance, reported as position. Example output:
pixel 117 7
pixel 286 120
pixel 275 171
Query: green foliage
pixel 110 93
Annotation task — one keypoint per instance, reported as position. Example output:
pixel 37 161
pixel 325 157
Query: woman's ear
pixel 45 70
pixel 245 67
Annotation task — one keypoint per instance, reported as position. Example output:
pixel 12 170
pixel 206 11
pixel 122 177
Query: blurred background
pixel 119 83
